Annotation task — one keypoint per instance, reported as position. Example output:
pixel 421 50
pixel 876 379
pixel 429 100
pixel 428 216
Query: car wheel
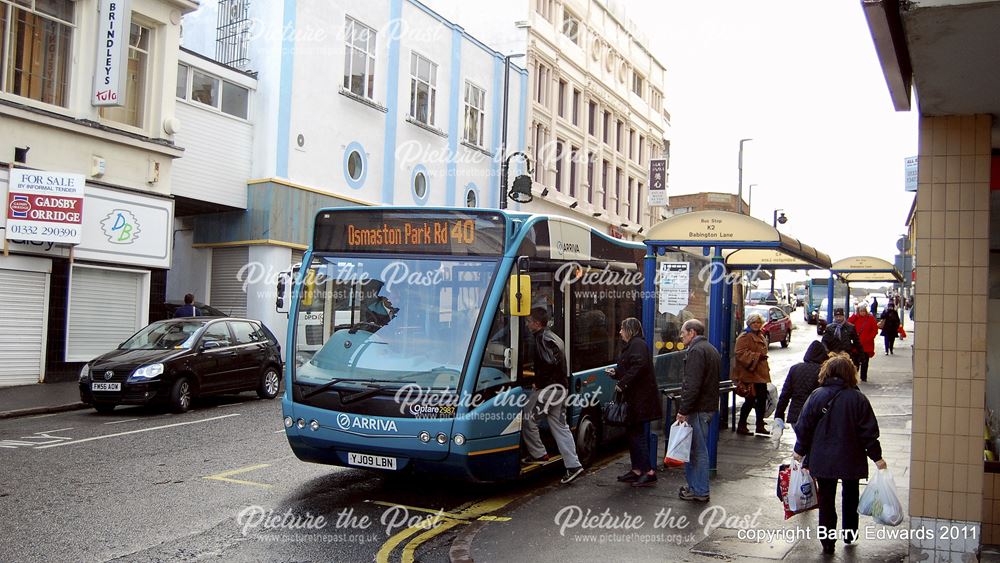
pixel 787 340
pixel 270 382
pixel 181 396
pixel 105 408
pixel 587 439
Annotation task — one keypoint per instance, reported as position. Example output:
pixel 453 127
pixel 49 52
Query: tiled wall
pixel 952 256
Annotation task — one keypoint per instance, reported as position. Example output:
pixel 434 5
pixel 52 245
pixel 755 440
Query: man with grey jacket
pixel 699 402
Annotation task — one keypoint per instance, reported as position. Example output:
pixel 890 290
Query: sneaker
pixel 528 460
pixel 645 480
pixel 686 494
pixel 571 474
pixel 628 477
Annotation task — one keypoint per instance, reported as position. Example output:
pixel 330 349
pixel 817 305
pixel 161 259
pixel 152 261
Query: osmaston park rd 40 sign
pixel 45 206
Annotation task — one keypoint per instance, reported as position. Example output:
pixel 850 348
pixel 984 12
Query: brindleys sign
pixel 112 52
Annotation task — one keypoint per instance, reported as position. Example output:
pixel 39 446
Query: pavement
pixel 598 519
pixel 40 398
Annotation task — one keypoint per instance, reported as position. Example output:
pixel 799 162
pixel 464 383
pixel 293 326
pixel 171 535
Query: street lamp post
pixel 739 195
pixel 774 223
pixel 503 130
pixel 750 198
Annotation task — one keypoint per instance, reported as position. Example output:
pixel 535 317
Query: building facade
pixel 947 52
pixel 357 104
pixel 596 112
pixel 705 201
pixel 72 302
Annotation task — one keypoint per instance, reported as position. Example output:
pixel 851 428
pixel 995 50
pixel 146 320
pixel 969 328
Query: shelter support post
pixel 717 335
pixel 725 350
pixel 649 331
pixel 829 301
pixel 847 302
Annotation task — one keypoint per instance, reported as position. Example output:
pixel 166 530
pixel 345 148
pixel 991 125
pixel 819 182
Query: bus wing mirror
pixel 520 295
pixel 281 302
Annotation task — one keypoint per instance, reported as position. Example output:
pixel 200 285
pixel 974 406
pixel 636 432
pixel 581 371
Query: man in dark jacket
pixel 549 397
pixel 699 403
pixel 801 380
pixel 841 336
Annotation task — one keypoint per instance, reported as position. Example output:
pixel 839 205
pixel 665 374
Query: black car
pixel 174 361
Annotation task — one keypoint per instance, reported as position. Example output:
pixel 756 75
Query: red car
pixel 777 325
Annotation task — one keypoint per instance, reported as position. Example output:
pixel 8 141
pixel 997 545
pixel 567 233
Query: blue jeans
pixel 696 470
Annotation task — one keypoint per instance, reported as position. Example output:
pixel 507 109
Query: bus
pixel 407 345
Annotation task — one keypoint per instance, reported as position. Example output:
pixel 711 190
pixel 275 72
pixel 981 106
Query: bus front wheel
pixel 588 434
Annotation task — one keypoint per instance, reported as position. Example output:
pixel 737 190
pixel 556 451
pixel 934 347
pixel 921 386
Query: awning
pixel 747 242
pixel 865 269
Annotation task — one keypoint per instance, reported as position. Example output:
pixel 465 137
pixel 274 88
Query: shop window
pixel 132 112
pixel 359 59
pixel 475 114
pixel 182 81
pixel 235 100
pixel 423 89
pixel 205 89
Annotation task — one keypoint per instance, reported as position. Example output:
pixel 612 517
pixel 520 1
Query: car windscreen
pixel 164 336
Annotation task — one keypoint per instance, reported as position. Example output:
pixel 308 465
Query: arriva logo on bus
pixel 348 422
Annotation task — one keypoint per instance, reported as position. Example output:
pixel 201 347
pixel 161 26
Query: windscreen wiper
pixel 323 387
pixel 360 396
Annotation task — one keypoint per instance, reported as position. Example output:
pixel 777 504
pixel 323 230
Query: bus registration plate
pixel 373 461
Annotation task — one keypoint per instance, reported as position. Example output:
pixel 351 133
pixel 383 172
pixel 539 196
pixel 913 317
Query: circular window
pixel 595 50
pixel 420 185
pixel 355 166
pixel 470 199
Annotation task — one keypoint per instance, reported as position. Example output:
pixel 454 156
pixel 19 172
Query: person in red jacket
pixel 867 328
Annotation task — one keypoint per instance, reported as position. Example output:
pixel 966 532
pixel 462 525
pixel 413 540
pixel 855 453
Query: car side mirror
pixel 211 345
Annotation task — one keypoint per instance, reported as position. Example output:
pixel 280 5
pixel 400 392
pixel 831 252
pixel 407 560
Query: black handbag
pixel 616 411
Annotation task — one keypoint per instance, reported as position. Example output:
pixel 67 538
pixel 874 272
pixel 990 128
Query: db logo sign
pixel 19 207
pixel 343 421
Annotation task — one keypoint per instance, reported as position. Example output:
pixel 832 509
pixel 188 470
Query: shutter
pixel 105 308
pixel 227 291
pixel 22 314
pixel 297 256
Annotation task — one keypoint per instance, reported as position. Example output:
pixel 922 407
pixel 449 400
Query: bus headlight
pixel 300 423
pixel 314 425
pixel 459 439
pixel 424 436
pixel 442 438
pixel 289 421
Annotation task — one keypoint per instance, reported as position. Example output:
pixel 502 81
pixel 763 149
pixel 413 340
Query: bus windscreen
pixel 453 233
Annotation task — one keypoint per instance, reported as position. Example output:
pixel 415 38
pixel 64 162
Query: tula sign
pixel 114 19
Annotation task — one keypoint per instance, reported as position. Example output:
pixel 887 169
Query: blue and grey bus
pixel 416 353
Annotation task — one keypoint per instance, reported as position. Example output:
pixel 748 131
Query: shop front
pixel 70 303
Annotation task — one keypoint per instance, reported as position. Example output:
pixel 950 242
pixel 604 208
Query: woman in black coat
pixel 639 392
pixel 836 443
pixel 890 327
pixel 800 382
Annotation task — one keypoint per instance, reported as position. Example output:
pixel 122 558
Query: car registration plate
pixel 373 461
pixel 105 386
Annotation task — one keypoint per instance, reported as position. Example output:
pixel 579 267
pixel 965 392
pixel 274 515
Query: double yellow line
pixel 436 523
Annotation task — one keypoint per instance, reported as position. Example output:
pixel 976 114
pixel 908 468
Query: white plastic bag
pixel 679 446
pixel 772 400
pixel 777 429
pixel 801 489
pixel 880 501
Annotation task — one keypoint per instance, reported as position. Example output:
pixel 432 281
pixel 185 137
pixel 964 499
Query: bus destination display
pixel 458 233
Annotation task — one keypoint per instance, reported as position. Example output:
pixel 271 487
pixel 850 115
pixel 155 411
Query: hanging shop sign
pixel 114 27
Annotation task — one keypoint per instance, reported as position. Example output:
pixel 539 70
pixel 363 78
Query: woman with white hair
pixel 750 366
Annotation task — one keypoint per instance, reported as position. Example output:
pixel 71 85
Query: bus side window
pixel 494 371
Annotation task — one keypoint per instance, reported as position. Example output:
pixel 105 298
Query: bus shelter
pixel 859 269
pixel 723 246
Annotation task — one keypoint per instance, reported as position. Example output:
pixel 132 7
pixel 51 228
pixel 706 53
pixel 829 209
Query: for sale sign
pixel 45 206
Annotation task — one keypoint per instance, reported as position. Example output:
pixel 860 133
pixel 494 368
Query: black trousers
pixel 638 446
pixel 758 403
pixel 890 340
pixel 828 507
pixel 864 365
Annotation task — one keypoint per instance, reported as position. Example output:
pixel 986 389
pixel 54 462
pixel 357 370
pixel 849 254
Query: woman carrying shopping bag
pixel 836 430
pixel 751 367
pixel 638 387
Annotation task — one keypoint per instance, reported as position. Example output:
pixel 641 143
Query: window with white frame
pixel 225 96
pixel 475 114
pixel 637 83
pixel 655 99
pixel 36 38
pixel 571 26
pixel 423 89
pixel 131 112
pixel 359 59
pixel 545 8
